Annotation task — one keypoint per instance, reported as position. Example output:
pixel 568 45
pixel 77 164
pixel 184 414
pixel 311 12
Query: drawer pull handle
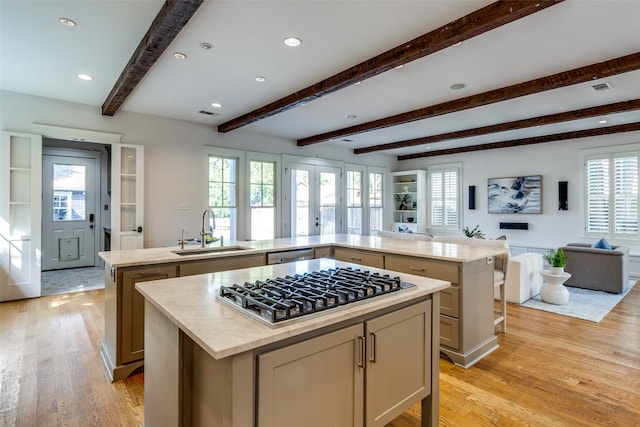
pixel 372 357
pixel 363 349
pixel 412 268
pixel 150 273
pixel 356 259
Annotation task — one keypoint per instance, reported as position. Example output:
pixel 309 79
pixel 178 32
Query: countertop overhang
pixel 223 331
pixel 424 249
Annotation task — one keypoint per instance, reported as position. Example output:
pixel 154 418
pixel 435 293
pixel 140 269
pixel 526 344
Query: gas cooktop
pixel 286 298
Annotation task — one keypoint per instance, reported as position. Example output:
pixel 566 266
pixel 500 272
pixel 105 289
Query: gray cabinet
pixel 466 308
pixel 323 380
pixel 221 264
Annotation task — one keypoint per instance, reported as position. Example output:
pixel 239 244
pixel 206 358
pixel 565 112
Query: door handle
pixel 139 230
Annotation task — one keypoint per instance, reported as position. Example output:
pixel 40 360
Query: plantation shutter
pixel 444 197
pixel 612 195
pixel 625 195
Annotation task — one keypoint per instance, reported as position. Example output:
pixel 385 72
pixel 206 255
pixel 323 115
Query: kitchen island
pixel 467 308
pixel 209 364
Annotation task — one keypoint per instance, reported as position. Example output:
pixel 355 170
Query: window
pixel 222 195
pixel 354 202
pixel 612 195
pixel 376 206
pixel 444 197
pixel 262 199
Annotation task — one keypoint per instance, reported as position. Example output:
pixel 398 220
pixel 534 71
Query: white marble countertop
pixel 222 331
pixel 426 249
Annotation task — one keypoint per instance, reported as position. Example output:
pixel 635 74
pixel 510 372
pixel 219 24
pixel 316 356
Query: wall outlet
pixel 184 206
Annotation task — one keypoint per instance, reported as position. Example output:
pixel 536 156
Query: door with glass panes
pixel 315 200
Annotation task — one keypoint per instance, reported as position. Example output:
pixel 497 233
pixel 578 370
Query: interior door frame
pixel 97 223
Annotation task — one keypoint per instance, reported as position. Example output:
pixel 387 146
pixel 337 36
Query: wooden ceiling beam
pixel 171 18
pixel 478 22
pixel 585 113
pixel 591 72
pixel 586 133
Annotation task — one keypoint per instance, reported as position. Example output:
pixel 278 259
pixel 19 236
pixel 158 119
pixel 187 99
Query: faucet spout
pixel 203 232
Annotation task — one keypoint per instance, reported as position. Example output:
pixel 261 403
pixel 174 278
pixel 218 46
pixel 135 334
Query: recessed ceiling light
pixel 179 55
pixel 67 22
pixel 351 117
pixel 85 77
pixel 397 67
pixel 261 79
pixel 457 44
pixel 216 105
pixel 292 41
pixel 602 122
pixel 206 46
pixel 457 86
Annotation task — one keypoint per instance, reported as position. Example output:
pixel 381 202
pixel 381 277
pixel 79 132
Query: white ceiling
pixel 41 57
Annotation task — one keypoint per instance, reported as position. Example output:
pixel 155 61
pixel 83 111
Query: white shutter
pixel 444 197
pixel 436 219
pixel 625 195
pixel 597 178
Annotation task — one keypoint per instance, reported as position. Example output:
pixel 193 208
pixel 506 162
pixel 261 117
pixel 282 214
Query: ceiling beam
pixel 478 22
pixel 171 18
pixel 586 133
pixel 555 81
pixel 585 113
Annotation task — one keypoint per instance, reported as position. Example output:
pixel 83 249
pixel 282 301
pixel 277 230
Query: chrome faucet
pixel 203 233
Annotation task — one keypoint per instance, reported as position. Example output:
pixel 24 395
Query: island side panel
pixel 162 391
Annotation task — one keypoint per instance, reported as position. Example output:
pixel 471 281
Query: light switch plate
pixel 184 206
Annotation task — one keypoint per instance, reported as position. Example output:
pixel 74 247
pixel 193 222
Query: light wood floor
pixel 550 370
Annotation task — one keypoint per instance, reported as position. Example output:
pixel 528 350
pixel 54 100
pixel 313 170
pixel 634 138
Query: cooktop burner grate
pixel 289 297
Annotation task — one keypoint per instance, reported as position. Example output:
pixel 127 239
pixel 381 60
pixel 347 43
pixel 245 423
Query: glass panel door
pixel 315 199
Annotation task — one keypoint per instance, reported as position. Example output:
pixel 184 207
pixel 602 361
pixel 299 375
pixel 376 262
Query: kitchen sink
pixel 214 250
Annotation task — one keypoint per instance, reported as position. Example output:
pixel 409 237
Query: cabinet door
pixel 315 383
pixel 132 326
pixel 398 362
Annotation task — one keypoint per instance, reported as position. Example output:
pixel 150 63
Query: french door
pixel 315 199
pixel 70 206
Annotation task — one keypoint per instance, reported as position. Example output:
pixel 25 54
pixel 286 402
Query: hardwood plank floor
pixel 550 370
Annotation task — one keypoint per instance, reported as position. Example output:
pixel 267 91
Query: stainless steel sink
pixel 213 250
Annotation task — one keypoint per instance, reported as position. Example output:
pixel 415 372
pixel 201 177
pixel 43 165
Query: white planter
pixel 556 270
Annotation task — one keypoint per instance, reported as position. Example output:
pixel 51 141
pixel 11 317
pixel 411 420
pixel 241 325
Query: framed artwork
pixel 520 194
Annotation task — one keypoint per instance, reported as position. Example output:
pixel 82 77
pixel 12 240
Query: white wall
pixel 174 165
pixel 557 161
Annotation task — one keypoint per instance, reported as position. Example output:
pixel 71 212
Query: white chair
pixel 524 280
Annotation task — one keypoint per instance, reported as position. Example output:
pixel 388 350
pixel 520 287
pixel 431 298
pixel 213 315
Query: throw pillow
pixel 601 244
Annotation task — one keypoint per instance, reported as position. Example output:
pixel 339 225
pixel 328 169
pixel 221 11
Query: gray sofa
pixel 597 269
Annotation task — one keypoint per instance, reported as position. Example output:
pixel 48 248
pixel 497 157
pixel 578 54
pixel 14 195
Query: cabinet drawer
pixel 371 259
pixel 449 332
pixel 221 264
pixel 450 302
pixel 423 267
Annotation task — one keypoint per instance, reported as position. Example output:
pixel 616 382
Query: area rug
pixel 57 282
pixel 583 303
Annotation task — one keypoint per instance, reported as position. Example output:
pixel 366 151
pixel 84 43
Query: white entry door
pixel 315 200
pixel 70 183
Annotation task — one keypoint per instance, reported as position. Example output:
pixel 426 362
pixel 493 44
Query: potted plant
pixel 403 200
pixel 557 260
pixel 473 233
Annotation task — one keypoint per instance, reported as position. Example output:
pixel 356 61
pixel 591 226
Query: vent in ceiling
pixel 208 113
pixel 601 86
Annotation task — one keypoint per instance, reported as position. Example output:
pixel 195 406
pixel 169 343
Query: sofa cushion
pixel 602 244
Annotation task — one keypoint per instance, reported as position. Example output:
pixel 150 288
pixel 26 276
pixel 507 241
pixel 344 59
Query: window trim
pixel 277 160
